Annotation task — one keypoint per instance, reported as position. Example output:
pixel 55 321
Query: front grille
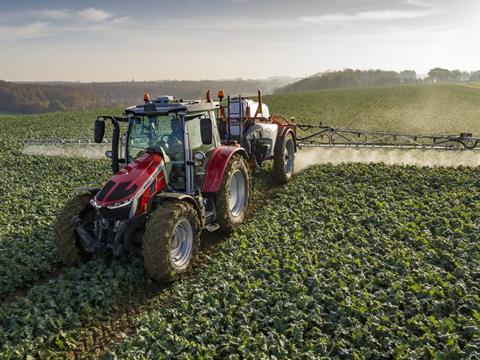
pixel 120 213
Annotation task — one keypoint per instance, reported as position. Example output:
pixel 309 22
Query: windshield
pixel 162 133
pixel 153 132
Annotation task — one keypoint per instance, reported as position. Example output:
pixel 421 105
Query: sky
pixel 200 39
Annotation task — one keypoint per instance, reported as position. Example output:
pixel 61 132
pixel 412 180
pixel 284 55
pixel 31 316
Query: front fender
pixel 216 167
pixel 169 196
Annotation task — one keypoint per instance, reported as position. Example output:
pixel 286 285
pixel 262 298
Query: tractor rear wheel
pixel 65 238
pixel 171 241
pixel 232 199
pixel 284 160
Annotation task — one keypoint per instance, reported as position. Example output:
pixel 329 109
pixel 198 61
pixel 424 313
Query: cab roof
pixel 166 104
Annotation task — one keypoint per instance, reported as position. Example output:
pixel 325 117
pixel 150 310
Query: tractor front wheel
pixel 232 199
pixel 171 241
pixel 65 237
pixel 284 160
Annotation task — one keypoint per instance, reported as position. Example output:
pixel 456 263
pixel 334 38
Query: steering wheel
pixel 163 137
pixel 168 142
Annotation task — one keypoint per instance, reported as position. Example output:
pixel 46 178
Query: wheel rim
pixel 289 154
pixel 182 243
pixel 237 189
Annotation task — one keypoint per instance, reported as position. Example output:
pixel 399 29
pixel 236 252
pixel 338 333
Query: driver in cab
pixel 175 140
pixel 175 150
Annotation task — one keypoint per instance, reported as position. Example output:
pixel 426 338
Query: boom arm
pixel 327 136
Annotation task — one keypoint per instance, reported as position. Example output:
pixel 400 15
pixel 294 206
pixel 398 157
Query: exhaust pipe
pixel 115 141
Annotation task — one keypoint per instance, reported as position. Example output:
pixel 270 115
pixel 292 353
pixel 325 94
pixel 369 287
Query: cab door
pixel 199 152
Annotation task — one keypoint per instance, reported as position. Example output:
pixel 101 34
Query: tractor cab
pixel 182 132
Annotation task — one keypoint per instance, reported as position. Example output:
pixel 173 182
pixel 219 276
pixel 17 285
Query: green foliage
pixel 349 261
pixel 49 319
pixel 352 261
pixel 34 188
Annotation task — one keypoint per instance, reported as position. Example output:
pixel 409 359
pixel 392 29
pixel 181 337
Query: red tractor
pixel 185 169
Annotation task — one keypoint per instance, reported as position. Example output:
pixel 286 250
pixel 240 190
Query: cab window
pixel 195 136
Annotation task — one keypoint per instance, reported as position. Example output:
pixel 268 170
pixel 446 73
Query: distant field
pixel 416 108
pixel 421 108
pixel 473 84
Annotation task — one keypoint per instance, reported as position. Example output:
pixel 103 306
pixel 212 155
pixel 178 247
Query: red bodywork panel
pixel 139 180
pixel 216 167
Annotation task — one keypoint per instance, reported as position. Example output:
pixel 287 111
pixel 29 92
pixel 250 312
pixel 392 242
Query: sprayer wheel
pixel 284 160
pixel 65 238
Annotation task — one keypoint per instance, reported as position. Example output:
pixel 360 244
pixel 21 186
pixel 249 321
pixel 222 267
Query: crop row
pixel 350 261
pixel 33 189
pixel 73 310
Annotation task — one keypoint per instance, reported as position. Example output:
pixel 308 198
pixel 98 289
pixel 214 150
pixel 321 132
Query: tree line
pixel 356 78
pixel 351 78
pixel 30 98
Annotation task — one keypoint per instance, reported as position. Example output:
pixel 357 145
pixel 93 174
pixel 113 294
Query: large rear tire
pixel 284 160
pixel 65 238
pixel 232 199
pixel 171 241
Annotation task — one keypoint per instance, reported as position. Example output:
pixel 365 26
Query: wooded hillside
pixel 29 98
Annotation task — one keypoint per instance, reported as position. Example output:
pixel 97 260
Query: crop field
pixel 348 260
pixel 427 108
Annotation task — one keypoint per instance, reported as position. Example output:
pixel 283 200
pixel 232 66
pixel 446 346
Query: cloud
pixel 94 15
pixel 53 14
pixel 373 15
pixel 121 20
pixel 61 22
pixel 329 20
pixel 25 32
pixel 419 3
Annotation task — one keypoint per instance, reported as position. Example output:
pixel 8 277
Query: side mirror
pixel 99 131
pixel 206 131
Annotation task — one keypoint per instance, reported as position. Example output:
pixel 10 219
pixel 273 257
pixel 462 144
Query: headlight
pixel 119 204
pixel 95 204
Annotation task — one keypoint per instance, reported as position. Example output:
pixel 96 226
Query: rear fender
pixel 216 167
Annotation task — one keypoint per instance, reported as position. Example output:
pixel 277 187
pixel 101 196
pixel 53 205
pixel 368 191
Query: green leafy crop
pixel 356 261
pixel 349 261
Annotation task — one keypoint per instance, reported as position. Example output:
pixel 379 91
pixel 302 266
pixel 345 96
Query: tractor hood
pixel 130 183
